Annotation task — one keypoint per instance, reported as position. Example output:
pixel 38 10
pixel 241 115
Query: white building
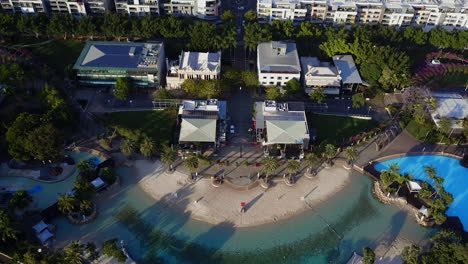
pixel 73 7
pixel 137 7
pixel 98 6
pixel 24 6
pixel 425 13
pixel 317 74
pixel 277 63
pixel 203 9
pixel 194 65
pixel 268 10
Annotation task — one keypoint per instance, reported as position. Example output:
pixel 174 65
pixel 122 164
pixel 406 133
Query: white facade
pixel 317 74
pixel 277 63
pixel 203 9
pixel 137 7
pixel 425 13
pixel 195 66
pixel 76 8
pixel 24 6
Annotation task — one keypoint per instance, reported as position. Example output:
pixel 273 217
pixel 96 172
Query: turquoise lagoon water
pixel 327 234
pixel 47 193
pixel 455 178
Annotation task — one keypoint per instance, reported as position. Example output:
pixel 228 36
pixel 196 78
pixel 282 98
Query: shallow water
pixel 328 233
pixel 48 192
pixel 455 178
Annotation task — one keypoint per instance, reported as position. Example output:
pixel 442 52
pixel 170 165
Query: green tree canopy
pixel 358 100
pixel 270 165
pixel 147 147
pixel 122 88
pixel 318 95
pixel 228 16
pixel 273 93
pixel 7 229
pixel 294 88
pixel 369 256
pixel 250 16
pixel 20 200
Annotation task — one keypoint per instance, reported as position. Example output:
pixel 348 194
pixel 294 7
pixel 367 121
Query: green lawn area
pixel 336 129
pixel 59 53
pixel 158 125
pixel 425 133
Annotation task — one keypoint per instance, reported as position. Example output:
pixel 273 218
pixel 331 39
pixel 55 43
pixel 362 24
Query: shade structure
pixel 285 131
pixel 424 211
pixel 198 130
pixel 355 259
pixel 44 236
pixel 98 183
pixel 414 186
pixel 39 227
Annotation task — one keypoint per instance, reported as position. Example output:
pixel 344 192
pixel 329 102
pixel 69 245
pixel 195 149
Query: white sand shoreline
pixel 206 203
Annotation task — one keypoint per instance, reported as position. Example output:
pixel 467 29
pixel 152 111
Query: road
pixel 240 112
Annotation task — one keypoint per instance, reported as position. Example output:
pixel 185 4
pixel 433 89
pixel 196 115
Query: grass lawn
pixel 59 53
pixel 336 129
pixel 425 133
pixel 158 125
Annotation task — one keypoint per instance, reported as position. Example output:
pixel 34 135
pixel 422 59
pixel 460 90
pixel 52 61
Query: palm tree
pixel 6 227
pixel 128 147
pixel 310 160
pixel 191 163
pixel 168 156
pixel 292 167
pixel 67 204
pixel 85 207
pixel 270 165
pixel 20 200
pixel 330 152
pixel 351 154
pixel 147 147
pixel 73 253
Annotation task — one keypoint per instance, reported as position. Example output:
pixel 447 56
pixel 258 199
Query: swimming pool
pixel 45 194
pixel 327 234
pixel 455 178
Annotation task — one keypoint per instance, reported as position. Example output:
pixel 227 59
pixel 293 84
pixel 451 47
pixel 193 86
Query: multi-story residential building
pixel 268 10
pixel 24 6
pixel 204 9
pixel 425 13
pixel 369 12
pixel 98 6
pixel 277 63
pixel 350 77
pixel 341 12
pixel 195 66
pixel 137 7
pixel 73 7
pixel 102 62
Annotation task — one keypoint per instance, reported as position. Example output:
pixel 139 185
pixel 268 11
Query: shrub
pixel 109 248
pixel 108 175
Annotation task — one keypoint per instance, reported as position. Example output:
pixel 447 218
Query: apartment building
pixel 98 6
pixel 137 7
pixel 195 66
pixel 318 74
pixel 73 7
pixel 268 10
pixel 203 9
pixel 24 6
pixel 277 63
pixel 424 13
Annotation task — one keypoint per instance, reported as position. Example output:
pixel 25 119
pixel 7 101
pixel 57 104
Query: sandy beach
pixel 215 205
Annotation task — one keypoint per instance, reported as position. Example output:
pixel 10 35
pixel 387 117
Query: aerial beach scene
pixel 233 131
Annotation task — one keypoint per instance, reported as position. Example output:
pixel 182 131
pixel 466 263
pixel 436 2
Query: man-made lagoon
pixel 455 178
pixel 328 233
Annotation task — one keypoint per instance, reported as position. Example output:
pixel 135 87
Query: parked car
pixel 240 8
pixel 232 130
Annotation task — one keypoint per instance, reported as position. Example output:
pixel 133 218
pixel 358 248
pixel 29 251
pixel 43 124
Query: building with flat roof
pixel 281 127
pixel 195 66
pixel 277 63
pixel 102 62
pixel 202 124
pixel 350 78
pixel 317 74
pixel 453 106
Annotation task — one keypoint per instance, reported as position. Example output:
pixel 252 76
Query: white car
pixel 240 8
pixel 231 129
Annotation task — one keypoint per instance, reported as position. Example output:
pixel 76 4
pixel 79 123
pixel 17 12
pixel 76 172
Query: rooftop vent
pixel 279 48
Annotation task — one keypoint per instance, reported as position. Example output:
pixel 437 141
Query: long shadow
pixel 253 201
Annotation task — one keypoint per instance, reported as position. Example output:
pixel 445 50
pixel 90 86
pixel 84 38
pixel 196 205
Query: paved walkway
pixel 406 143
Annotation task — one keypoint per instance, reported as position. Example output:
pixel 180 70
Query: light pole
pixel 368 111
pixel 349 108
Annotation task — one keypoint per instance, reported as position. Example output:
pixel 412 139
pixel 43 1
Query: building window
pixel 279 77
pixel 264 77
pixel 272 82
